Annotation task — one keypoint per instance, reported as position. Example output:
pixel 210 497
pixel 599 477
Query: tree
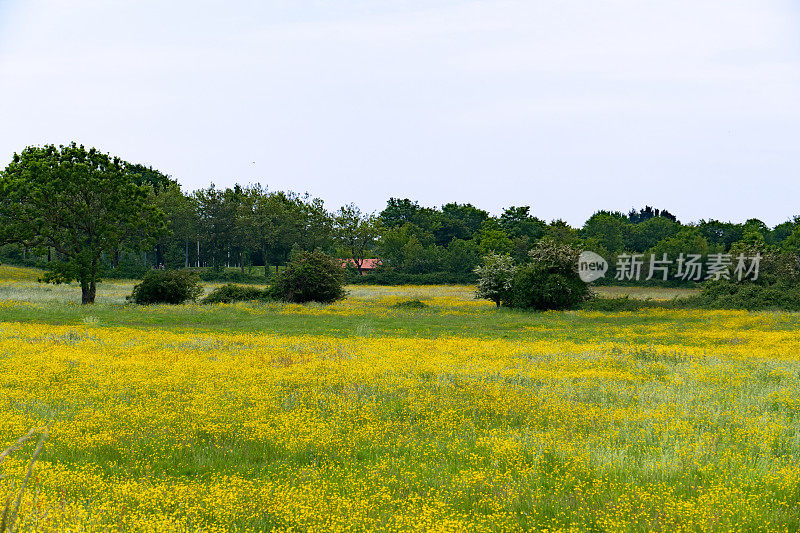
pixel 310 277
pixel 495 278
pixel 492 239
pixel 649 213
pixel 518 222
pixel 317 225
pixel 215 224
pixel 461 257
pixel 356 233
pixel 82 203
pixel 265 214
pixel 724 233
pixel 550 280
pixel 180 213
pixel 688 241
pixel 650 232
pixel 279 220
pixel 458 221
pixel 783 231
pixel 610 229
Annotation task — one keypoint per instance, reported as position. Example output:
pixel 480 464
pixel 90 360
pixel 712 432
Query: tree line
pixel 85 214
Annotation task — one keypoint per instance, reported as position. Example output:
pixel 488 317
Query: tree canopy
pixel 81 203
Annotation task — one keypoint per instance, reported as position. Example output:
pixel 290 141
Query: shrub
pixel 230 276
pixel 310 277
pixel 388 276
pixel 166 286
pixel 495 278
pixel 236 293
pixel 550 280
pixel 751 296
pixel 411 304
pixel 536 287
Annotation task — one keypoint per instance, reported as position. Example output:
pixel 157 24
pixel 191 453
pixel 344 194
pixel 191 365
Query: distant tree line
pixel 84 210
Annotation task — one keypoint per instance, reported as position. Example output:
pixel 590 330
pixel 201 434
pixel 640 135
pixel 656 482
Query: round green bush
pixel 536 287
pixel 310 277
pixel 166 287
pixel 411 304
pixel 236 293
pixel 550 280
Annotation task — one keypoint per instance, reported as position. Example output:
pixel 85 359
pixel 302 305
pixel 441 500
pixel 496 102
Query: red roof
pixel 368 264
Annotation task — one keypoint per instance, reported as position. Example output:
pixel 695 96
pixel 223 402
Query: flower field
pixel 361 416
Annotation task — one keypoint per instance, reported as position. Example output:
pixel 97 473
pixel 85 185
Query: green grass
pixel 671 412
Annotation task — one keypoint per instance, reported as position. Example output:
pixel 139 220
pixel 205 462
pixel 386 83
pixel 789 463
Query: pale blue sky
pixel 568 106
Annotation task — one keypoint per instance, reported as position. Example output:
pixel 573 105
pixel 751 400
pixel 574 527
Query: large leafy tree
pixel 518 222
pixel 356 233
pixel 82 203
pixel 217 224
pixel 274 221
pixel 181 218
pixel 612 230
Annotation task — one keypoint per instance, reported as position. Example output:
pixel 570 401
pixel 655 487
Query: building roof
pixel 368 264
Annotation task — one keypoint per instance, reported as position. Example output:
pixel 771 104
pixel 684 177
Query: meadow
pixel 369 416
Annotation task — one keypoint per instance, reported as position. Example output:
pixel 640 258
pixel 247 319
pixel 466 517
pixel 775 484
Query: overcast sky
pixel 567 106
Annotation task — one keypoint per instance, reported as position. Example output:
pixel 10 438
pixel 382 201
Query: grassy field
pixel 363 416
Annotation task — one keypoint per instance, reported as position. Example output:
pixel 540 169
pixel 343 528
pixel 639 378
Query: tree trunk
pixel 266 265
pixel 186 256
pixel 89 288
pixel 88 292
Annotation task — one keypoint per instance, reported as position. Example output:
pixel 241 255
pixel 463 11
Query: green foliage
pixel 495 278
pixel 460 257
pixel 393 277
pixel 776 265
pixel 216 230
pixel 648 213
pixel 560 231
pixel 411 304
pixel 611 230
pixel 356 233
pixel 458 222
pixel 409 249
pixel 791 243
pixel 650 232
pixel 721 233
pixel 751 296
pixel 686 241
pixel 166 287
pixel 536 287
pixel 236 293
pixel 81 203
pixel 129 266
pixel 493 240
pixel 517 222
pixel 310 277
pixel 550 280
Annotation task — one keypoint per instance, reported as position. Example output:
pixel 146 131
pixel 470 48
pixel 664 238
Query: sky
pixel 564 105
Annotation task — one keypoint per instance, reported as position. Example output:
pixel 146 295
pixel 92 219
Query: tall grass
pixel 11 508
